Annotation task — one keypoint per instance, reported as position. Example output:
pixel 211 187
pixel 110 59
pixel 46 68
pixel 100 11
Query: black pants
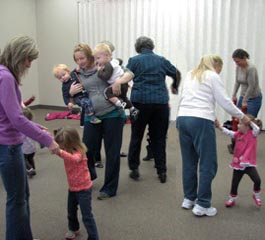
pixel 108 93
pixel 29 160
pixel 238 174
pixel 156 116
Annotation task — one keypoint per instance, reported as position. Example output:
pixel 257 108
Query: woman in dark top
pixel 150 95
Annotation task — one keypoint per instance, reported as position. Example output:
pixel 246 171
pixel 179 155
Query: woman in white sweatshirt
pixel 202 88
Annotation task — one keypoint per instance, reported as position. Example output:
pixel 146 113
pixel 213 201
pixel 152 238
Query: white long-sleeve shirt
pixel 198 99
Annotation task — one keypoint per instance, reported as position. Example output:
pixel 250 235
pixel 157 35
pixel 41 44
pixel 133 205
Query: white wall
pixel 17 17
pixel 54 26
pixel 57 34
pixel 54 23
pixel 183 31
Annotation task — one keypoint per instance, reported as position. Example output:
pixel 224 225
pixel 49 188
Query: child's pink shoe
pixel 256 197
pixel 231 201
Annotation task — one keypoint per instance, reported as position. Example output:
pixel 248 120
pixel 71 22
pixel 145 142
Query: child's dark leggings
pixel 238 174
pixel 29 160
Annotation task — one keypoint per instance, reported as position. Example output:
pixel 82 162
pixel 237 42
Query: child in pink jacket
pixel 73 152
pixel 244 158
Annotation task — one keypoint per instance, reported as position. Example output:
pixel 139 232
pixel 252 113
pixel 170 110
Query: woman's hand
pixel 245 119
pixel 217 124
pixel 244 105
pixel 125 78
pixel 174 90
pixel 43 128
pixel 75 88
pixel 116 88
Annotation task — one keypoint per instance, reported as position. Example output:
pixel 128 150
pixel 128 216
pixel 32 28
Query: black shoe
pixel 162 177
pixel 123 154
pixel 99 165
pixel 148 158
pixel 149 155
pixel 134 174
pixel 103 196
pixel 230 148
pixel 31 172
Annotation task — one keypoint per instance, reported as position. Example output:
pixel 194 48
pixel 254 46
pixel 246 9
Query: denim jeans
pixel 13 173
pixel 198 149
pixel 87 106
pixel 83 199
pixel 254 105
pixel 110 129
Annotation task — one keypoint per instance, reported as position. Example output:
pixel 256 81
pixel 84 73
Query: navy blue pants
pixel 110 130
pixel 83 199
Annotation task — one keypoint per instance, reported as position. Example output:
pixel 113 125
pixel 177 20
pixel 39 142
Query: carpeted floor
pixel 146 209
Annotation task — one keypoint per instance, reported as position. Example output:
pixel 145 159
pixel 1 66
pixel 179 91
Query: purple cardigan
pixel 13 124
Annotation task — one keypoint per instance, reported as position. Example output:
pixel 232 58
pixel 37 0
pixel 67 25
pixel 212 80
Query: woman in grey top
pixel 111 126
pixel 246 78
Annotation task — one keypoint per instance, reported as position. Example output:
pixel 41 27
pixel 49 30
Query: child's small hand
pixel 56 151
pixel 54 147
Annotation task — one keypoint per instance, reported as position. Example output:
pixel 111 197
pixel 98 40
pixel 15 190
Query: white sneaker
pixel 201 211
pixel 187 204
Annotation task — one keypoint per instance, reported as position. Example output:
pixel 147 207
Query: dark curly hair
pixel 143 43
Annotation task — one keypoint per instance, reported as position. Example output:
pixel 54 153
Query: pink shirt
pixel 77 171
pixel 245 147
pixel 245 150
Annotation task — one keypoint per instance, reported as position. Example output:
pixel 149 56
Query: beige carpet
pixel 146 209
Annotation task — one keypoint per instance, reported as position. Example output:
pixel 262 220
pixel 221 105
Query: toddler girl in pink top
pixel 244 158
pixel 73 152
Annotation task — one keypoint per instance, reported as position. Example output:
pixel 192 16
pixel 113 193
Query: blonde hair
pixel 58 67
pixel 27 113
pixel 110 45
pixel 102 48
pixel 69 140
pixel 83 47
pixel 16 52
pixel 208 62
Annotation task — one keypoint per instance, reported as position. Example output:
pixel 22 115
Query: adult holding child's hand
pixel 202 89
pixel 15 60
pixel 75 88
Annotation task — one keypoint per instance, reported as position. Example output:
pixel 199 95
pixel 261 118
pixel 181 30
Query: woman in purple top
pixel 15 59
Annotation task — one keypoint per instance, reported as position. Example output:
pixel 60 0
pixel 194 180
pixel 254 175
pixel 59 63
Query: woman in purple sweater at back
pixel 15 59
